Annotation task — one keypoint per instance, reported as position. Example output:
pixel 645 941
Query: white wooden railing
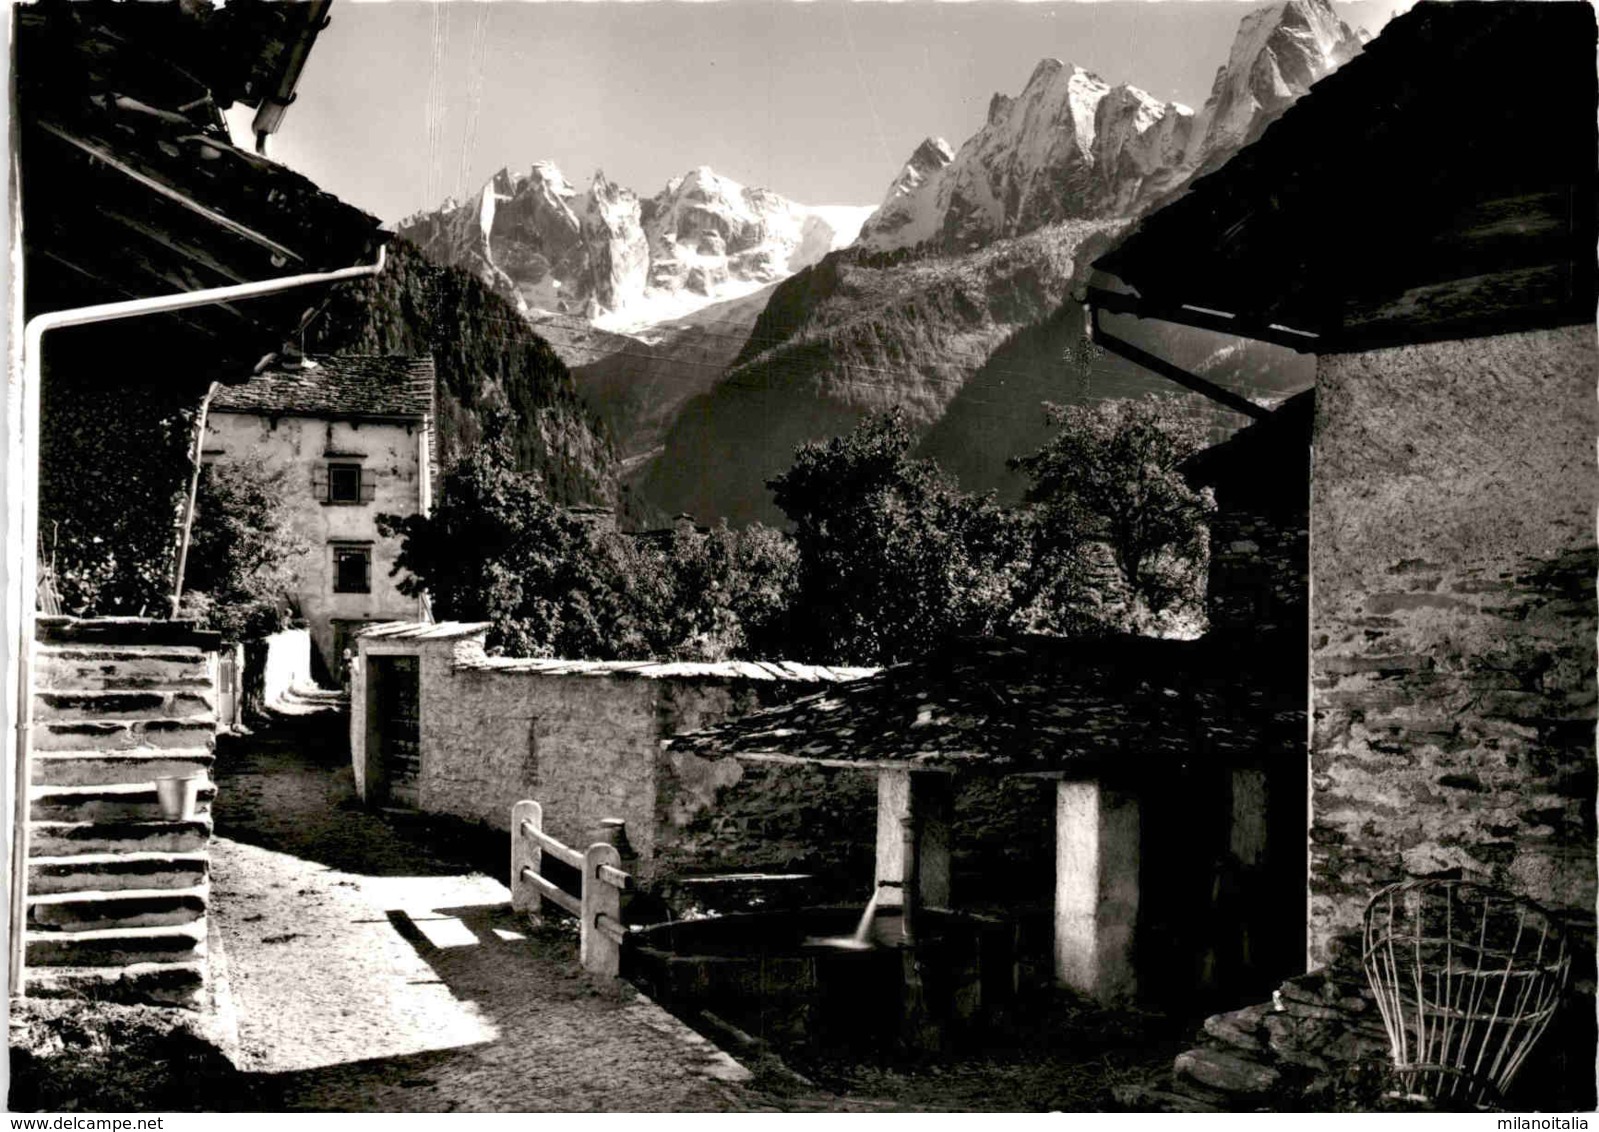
pixel 599 906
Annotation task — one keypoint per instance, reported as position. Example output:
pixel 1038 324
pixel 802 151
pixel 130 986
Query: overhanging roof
pixel 130 185
pixel 1439 185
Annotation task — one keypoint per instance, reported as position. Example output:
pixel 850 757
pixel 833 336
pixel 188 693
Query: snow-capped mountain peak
pixel 1071 145
pixel 621 262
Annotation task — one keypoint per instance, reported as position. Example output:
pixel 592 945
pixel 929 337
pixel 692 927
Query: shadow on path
pixel 374 967
pixel 289 787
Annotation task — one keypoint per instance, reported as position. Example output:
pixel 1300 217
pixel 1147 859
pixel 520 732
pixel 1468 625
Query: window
pixel 342 483
pixel 352 569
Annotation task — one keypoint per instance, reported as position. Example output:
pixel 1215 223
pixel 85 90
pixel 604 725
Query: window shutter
pixel 319 483
pixel 366 572
pixel 368 488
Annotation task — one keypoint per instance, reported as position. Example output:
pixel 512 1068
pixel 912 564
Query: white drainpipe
pixel 23 502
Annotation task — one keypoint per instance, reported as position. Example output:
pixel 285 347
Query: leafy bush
pixel 239 577
pixel 556 586
pixel 1115 516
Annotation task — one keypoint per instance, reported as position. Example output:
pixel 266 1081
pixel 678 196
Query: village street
pixel 371 967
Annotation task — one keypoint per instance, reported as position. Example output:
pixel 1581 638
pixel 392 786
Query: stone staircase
pixel 117 894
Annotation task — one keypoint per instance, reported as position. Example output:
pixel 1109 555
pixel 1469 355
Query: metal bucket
pixel 179 795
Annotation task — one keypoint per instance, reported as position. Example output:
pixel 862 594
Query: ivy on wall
pixel 114 470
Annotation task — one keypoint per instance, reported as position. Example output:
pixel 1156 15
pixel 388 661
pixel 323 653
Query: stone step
pixel 76 838
pixel 90 668
pixel 117 947
pixel 123 734
pixel 112 872
pixel 130 705
pixel 93 910
pixel 1232 1073
pixel 159 984
pixel 1240 1029
pixel 106 802
pixel 93 768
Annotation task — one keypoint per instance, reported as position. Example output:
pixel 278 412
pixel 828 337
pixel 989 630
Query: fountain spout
pixel 863 930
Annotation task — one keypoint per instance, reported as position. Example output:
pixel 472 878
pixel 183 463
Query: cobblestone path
pixel 372 967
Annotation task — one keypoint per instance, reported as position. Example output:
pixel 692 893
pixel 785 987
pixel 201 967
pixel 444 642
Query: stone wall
pixel 1259 575
pixel 1453 622
pixel 1259 571
pixel 585 743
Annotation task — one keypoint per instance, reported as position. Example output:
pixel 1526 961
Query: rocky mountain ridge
pixel 1071 145
pixel 617 262
pixel 956 301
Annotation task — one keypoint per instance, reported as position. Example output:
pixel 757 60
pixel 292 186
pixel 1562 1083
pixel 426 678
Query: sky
pixel 403 102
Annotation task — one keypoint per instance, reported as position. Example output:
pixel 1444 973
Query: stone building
pixel 354 436
pixel 158 258
pixel 1439 263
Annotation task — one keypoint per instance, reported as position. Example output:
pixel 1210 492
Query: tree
pixel 497 549
pixel 239 577
pixel 1116 524
pixel 721 593
pixel 892 558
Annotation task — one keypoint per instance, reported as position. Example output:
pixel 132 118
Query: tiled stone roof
pixel 768 670
pixel 1037 705
pixel 674 669
pixel 425 630
pixel 336 385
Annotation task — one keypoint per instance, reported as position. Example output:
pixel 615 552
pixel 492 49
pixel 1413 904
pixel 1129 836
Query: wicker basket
pixel 1467 978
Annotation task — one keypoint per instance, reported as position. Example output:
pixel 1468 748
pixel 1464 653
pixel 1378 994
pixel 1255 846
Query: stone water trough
pixel 832 978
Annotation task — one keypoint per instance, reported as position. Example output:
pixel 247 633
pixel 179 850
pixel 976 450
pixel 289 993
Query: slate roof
pixel 133 186
pixel 336 385
pixel 425 630
pixel 1100 707
pixel 771 670
pixel 1265 466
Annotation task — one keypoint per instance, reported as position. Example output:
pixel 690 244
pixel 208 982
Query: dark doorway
pixel 393 742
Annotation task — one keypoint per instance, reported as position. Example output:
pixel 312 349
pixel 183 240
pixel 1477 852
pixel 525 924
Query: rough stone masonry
pixel 1453 622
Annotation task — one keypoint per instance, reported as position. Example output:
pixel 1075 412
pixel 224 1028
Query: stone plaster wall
pixel 1453 621
pixel 585 746
pixel 301 445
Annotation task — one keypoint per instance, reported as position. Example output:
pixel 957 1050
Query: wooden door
pixel 397 695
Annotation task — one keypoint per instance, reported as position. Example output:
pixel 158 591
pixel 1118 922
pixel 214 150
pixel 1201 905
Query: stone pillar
pixel 929 796
pixel 1096 889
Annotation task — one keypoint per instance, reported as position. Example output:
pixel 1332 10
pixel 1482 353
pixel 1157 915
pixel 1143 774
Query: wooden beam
pixel 554 848
pixel 779 759
pixel 1122 348
pixel 1116 302
pixel 551 891
pixel 277 249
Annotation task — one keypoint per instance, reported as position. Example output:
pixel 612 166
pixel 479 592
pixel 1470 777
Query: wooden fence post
pixel 525 854
pixel 599 945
